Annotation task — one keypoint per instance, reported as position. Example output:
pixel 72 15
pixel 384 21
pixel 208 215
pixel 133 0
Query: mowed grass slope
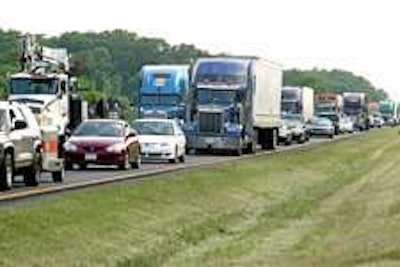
pixel 334 205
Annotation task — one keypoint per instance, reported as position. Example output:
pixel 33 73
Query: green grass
pixel 334 205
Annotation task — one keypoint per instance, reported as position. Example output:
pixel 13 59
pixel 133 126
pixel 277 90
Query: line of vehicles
pixel 228 104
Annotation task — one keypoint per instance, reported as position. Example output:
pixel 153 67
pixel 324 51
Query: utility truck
pixel 45 85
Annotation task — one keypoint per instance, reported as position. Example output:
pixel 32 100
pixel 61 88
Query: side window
pixel 12 116
pixel 63 87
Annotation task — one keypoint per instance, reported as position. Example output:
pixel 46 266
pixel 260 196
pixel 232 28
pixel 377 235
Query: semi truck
pixel 355 105
pixel 164 91
pixel 235 104
pixel 299 101
pixel 45 85
pixel 329 105
pixel 389 111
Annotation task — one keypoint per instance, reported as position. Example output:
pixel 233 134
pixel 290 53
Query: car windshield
pixel 100 128
pixel 154 127
pixel 33 86
pixel 3 120
pixel 221 97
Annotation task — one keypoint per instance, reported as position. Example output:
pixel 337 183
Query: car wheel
pixel 288 141
pixel 32 174
pixel 137 163
pixel 331 136
pixel 58 177
pixel 7 172
pixel 302 139
pixel 126 164
pixel 182 158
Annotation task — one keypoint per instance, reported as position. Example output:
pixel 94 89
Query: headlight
pixel 68 146
pixel 116 148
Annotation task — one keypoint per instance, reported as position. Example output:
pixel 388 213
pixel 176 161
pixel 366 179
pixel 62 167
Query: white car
pixel 161 139
pixel 346 125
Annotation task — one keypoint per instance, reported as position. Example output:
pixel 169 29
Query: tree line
pixel 108 63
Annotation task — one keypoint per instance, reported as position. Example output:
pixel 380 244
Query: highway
pixel 97 175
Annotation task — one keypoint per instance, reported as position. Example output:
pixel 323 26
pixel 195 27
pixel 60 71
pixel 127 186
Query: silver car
pixel 322 127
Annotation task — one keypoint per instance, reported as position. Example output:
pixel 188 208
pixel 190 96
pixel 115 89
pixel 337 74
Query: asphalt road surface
pixel 101 173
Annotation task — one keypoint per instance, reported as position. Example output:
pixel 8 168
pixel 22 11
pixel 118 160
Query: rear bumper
pixel 322 132
pixel 216 142
pixel 101 158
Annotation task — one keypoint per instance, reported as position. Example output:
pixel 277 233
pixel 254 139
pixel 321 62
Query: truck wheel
pixel 32 174
pixel 58 177
pixel 272 139
pixel 7 172
pixel 238 152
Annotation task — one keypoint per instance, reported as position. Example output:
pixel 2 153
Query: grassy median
pixel 335 205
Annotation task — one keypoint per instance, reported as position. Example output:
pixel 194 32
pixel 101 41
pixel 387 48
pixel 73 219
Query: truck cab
pixel 47 95
pixel 163 91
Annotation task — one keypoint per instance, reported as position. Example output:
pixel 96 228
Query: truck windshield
pixel 167 100
pixel 33 86
pixel 291 107
pixel 220 97
pixel 385 109
pixel 3 120
pixel 290 95
pixel 324 108
pixel 221 72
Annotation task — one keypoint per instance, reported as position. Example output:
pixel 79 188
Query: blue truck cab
pixel 163 91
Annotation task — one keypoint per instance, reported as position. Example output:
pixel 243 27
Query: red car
pixel 103 142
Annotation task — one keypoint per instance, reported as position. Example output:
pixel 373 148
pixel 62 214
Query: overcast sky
pixel 360 36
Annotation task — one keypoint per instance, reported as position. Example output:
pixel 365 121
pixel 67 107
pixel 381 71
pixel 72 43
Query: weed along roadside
pixel 326 206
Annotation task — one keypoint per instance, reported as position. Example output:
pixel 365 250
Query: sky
pixel 359 36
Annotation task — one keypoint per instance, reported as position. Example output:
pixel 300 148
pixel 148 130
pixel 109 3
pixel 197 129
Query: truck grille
pixel 210 122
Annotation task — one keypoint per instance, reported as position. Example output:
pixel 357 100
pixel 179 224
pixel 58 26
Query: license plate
pixel 90 156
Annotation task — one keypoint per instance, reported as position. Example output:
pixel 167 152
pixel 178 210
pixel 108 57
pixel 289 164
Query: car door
pixel 22 151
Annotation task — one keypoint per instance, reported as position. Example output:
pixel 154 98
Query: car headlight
pixel 116 148
pixel 70 147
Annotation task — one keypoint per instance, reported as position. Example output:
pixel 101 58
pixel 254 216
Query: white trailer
pixel 298 100
pixel 235 104
pixel 267 101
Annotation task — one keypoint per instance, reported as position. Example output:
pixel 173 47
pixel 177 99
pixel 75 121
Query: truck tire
pixel 58 177
pixel 7 172
pixel 32 174
pixel 271 139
